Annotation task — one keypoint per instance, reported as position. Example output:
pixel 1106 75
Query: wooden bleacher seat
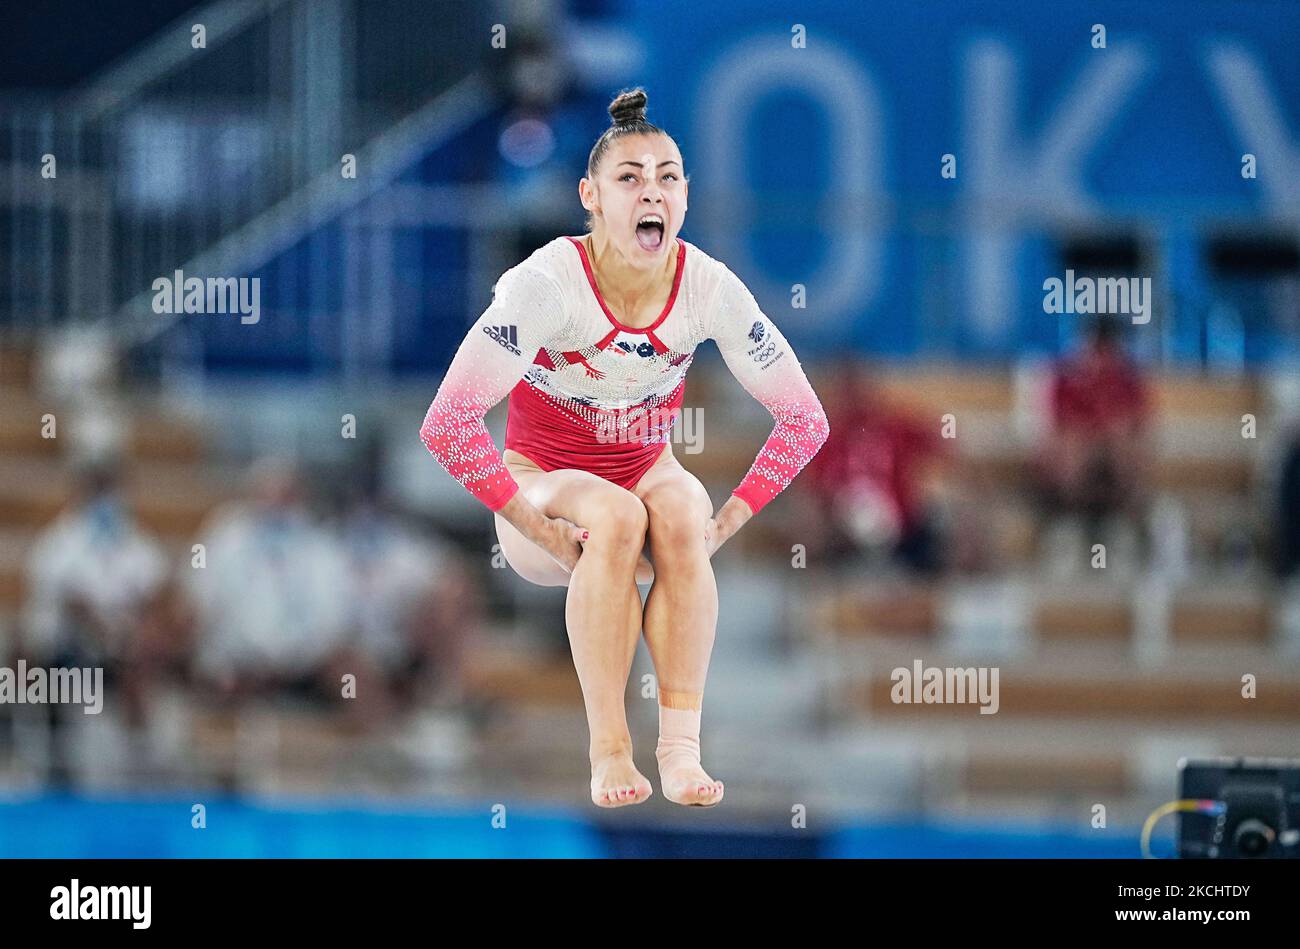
pixel 1184 394
pixel 1004 773
pixel 1058 618
pixel 520 677
pixel 1198 619
pixel 908 610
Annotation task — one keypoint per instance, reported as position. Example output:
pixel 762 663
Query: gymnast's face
pixel 640 177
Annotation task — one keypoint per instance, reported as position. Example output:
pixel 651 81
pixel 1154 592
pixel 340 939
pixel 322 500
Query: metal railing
pixel 184 158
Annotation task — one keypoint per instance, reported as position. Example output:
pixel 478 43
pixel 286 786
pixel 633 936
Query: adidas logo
pixel 507 336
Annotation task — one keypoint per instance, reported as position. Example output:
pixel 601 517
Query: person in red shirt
pixel 875 486
pixel 1094 461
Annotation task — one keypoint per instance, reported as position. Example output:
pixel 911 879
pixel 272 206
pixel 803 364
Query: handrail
pixel 166 51
pixel 280 226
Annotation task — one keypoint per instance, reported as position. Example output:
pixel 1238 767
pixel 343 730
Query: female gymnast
pixel 591 337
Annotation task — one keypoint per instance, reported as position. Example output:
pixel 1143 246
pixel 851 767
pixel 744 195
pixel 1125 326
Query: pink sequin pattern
pixel 487 365
pixel 761 359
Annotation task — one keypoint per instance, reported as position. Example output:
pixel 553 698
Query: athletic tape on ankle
pixel 692 701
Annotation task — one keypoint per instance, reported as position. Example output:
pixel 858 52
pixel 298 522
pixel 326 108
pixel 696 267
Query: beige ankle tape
pixel 692 701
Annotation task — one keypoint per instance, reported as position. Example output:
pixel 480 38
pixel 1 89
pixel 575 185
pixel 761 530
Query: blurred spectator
pixel 412 608
pixel 878 481
pixel 79 367
pixel 99 596
pixel 1094 461
pixel 533 80
pixel 271 600
pixel 544 135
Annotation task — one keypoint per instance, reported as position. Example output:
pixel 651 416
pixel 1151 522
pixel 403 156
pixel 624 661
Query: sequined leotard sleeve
pixel 761 359
pixel 526 312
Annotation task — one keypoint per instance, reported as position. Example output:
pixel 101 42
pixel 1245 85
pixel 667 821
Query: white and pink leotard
pixel 587 392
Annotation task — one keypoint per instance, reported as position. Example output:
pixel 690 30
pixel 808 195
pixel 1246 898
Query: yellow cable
pixel 1187 804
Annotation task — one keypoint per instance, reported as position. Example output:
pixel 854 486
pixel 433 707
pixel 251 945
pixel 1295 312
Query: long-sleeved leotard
pixel 588 392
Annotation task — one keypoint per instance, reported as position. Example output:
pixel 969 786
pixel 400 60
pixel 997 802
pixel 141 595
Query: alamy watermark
pixel 77 901
pixel 1120 295
pixel 932 685
pixel 653 427
pixel 182 294
pixel 55 686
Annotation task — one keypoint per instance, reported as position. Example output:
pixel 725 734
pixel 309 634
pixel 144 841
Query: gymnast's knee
pixel 618 522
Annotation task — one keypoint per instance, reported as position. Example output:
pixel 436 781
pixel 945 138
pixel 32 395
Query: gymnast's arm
pixel 762 360
pixel 488 364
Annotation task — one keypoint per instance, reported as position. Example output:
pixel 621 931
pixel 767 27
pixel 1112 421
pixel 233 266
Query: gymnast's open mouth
pixel 650 231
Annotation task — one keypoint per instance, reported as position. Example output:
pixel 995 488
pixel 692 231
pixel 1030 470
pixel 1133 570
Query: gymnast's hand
pixel 562 539
pixel 711 542
pixel 719 528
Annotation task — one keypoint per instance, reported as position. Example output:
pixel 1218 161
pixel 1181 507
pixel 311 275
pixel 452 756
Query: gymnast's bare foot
pixel 615 781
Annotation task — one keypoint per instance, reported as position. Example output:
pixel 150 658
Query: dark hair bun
pixel 628 108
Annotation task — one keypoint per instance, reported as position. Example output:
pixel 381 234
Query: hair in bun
pixel 627 117
pixel 628 108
